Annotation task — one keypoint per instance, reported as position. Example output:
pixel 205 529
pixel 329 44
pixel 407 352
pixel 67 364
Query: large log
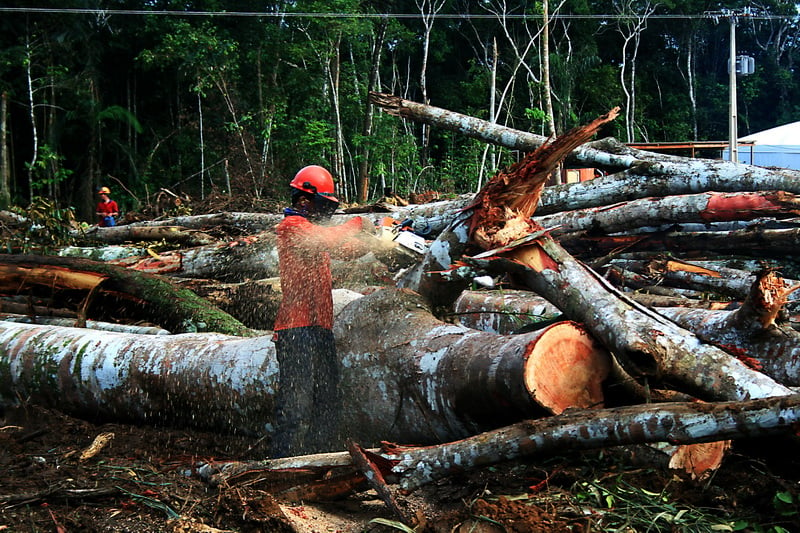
pixel 407 377
pixel 254 256
pixel 442 370
pixel 647 344
pixel 703 207
pixel 751 332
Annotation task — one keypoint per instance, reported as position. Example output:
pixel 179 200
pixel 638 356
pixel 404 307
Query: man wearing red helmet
pixel 307 402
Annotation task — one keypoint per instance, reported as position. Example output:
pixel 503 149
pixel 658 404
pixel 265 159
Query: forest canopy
pixel 141 95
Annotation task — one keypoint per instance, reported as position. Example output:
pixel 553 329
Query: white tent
pixel 775 147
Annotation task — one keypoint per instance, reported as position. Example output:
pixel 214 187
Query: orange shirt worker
pixel 307 402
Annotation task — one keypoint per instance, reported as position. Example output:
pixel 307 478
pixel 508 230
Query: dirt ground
pixel 142 481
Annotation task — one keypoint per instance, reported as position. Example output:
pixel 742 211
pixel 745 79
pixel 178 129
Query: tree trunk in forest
pixel 5 170
pixel 439 383
pixel 364 165
pixel 32 113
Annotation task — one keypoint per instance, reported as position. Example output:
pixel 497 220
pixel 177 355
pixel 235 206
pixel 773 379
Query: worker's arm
pixel 338 240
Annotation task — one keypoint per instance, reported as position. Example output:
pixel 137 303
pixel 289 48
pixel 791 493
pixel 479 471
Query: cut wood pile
pixel 654 304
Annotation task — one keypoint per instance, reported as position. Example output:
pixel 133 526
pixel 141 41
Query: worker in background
pixel 107 210
pixel 307 402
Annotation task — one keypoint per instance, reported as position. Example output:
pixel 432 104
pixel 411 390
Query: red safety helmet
pixel 314 179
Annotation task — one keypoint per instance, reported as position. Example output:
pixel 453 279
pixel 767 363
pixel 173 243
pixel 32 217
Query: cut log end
pixel 701 459
pixel 566 368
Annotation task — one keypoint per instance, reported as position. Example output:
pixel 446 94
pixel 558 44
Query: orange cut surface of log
pixel 566 368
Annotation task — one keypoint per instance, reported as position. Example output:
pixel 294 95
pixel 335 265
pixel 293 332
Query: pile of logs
pixel 668 278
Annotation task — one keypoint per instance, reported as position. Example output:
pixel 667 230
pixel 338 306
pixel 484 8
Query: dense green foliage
pixel 139 99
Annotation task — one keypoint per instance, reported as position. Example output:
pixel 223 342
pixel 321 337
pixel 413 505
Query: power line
pixel 318 15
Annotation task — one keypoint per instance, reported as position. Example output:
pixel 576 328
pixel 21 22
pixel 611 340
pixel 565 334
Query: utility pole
pixel 733 118
pixel 741 65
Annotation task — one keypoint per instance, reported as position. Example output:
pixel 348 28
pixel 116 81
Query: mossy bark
pixel 160 301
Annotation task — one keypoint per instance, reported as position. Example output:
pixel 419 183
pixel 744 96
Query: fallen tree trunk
pixel 177 310
pixel 775 351
pixel 128 233
pixel 646 344
pixel 704 207
pixel 418 379
pixel 88 324
pixel 657 177
pixel 574 430
pixel 441 369
pixel 489 131
pixel 254 256
pixel 755 240
pixel 682 423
